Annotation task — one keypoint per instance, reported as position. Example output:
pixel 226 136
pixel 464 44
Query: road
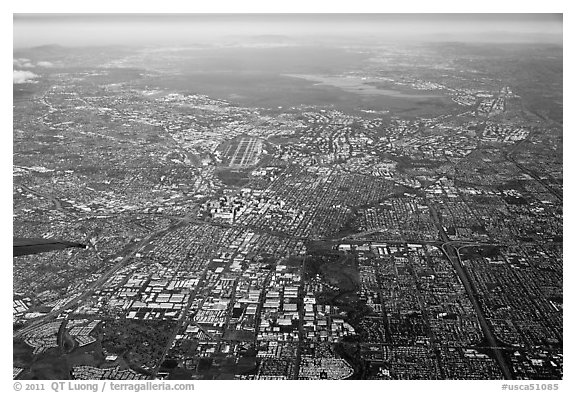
pixel 453 256
pixel 55 201
pixel 125 261
pixel 184 318
pixel 96 284
pixel 509 156
pixel 533 175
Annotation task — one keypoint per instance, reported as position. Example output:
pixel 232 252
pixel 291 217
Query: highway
pixel 453 256
pixel 55 201
pixel 510 157
pixel 96 284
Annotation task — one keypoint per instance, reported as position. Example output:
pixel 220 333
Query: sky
pixel 147 29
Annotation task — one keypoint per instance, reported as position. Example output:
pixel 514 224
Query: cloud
pixel 22 63
pixel 24 76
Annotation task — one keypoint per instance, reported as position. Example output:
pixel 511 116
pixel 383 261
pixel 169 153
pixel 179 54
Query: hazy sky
pixel 106 29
